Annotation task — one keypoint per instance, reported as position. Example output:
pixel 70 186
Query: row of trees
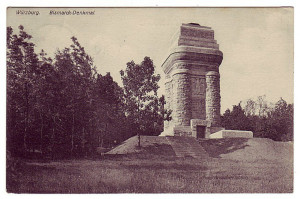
pixel 61 106
pixel 264 119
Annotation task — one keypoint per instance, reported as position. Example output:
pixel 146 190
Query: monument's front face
pixel 193 82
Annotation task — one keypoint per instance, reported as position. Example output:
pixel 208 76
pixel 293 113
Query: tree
pixel 110 120
pixel 140 94
pixel 281 121
pixel 76 75
pixel 262 106
pixel 59 106
pixel 22 72
pixel 235 119
pixel 264 120
pixel 250 107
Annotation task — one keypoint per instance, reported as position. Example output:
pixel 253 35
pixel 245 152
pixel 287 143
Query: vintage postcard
pixel 150 100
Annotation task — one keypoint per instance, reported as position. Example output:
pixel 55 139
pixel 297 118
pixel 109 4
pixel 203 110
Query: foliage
pixel 144 109
pixel 22 73
pixel 235 119
pixel 59 107
pixel 265 120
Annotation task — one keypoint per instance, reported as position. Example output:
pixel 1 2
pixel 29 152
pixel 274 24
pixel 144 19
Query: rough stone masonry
pixel 193 83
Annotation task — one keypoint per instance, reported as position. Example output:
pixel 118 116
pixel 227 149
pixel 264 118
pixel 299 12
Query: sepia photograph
pixel 149 100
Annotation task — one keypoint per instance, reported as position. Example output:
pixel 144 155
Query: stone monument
pixel 192 83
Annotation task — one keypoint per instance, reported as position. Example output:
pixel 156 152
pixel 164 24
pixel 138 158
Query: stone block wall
pixel 198 84
pixel 182 131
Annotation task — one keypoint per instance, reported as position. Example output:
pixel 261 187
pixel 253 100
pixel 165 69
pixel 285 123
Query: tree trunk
pixel 138 119
pixel 26 117
pixel 53 139
pixel 83 142
pixel 72 135
pixel 139 138
pixel 42 128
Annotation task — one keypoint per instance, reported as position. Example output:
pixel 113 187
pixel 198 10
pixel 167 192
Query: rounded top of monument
pixel 194 24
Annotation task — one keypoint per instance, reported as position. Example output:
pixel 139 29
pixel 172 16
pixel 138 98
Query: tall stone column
pixel 182 101
pixel 168 99
pixel 213 98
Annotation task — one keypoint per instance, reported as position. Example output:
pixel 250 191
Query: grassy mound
pixel 241 149
pixel 149 145
pixel 248 149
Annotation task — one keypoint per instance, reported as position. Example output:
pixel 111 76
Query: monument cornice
pixel 207 56
pixel 203 50
pixel 187 71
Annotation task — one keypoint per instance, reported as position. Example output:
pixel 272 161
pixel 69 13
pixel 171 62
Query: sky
pixel 257 43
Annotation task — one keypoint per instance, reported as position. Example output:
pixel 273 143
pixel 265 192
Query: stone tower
pixel 192 82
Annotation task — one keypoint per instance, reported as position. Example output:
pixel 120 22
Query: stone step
pixel 187 147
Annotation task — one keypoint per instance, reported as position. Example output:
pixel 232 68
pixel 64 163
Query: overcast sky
pixel 257 43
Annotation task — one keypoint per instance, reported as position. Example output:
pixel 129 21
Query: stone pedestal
pixel 193 82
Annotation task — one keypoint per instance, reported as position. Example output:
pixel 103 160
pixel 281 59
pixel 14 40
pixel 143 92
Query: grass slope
pixel 155 169
pixel 148 144
pixel 248 149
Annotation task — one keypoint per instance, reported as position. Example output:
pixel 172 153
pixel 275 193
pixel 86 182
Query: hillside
pixel 248 149
pixel 226 148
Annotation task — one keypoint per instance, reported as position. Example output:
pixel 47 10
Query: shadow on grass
pixel 216 147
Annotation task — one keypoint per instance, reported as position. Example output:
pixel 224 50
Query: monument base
pixel 184 131
pixel 168 132
pixel 199 129
pixel 232 134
